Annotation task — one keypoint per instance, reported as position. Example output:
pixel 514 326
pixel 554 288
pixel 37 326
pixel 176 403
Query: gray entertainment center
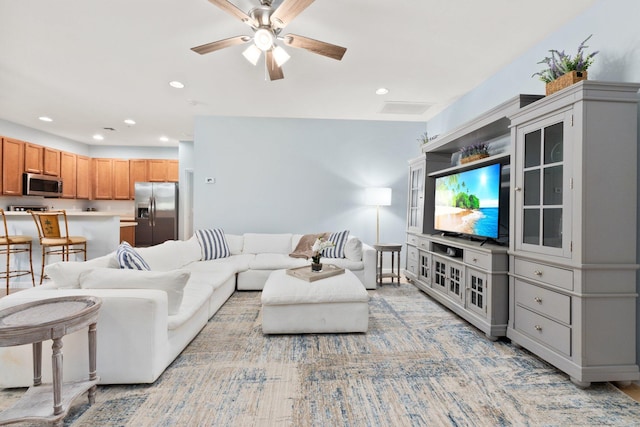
pixel 559 279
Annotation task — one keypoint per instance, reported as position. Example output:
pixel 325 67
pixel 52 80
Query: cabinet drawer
pixel 477 259
pixel 545 273
pixel 546 331
pixel 412 267
pixel 412 239
pixel 544 301
pixel 423 244
pixel 412 253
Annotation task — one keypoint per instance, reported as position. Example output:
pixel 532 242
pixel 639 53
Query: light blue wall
pixel 301 175
pixel 616 35
pixel 615 27
pixel 24 133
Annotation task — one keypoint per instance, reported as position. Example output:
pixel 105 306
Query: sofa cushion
pixel 213 243
pixel 276 262
pixel 172 282
pixel 339 239
pixel 235 243
pixel 353 249
pixel 128 258
pixel 344 263
pixel 238 263
pixel 259 243
pixel 171 255
pixel 66 274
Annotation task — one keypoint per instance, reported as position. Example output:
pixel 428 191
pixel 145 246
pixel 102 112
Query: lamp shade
pixel 377 196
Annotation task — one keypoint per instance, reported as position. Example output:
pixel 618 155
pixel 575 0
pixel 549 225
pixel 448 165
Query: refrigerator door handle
pixel 152 211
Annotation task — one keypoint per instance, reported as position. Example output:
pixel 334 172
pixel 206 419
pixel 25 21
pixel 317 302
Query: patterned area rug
pixel 419 365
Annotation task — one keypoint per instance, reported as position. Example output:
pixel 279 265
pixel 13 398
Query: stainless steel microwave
pixel 41 185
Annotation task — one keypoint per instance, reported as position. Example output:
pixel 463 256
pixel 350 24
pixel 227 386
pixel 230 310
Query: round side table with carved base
pixel 50 319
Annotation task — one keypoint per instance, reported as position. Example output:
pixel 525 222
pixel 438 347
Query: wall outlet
pixel 209 180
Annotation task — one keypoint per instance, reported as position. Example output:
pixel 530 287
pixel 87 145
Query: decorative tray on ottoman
pixel 305 272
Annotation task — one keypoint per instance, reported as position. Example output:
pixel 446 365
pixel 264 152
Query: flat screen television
pixel 468 202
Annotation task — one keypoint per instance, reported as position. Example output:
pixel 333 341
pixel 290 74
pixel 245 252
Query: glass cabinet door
pixel 416 197
pixel 542 185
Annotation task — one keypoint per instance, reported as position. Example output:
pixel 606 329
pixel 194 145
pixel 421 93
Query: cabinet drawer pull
pixel 518 188
pixel 538 300
pixel 538 328
pixel 474 259
pixel 538 273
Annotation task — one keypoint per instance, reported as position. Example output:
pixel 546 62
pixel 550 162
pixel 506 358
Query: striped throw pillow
pixel 130 259
pixel 213 243
pixel 339 239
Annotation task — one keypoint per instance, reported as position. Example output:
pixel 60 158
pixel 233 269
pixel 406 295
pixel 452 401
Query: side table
pixel 37 321
pixel 381 248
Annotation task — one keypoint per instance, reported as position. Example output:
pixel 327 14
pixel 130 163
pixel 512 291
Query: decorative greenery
pixel 559 63
pixel 472 150
pixel 424 138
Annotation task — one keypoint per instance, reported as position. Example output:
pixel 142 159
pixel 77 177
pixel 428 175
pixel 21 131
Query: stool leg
pixel 7 270
pixel 33 279
pixel 44 252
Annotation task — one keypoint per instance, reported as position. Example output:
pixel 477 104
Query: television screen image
pixel 469 202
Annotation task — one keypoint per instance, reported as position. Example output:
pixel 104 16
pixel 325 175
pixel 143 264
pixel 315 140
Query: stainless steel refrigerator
pixel 156 211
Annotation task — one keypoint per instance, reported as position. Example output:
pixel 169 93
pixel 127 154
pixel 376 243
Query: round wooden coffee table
pixel 50 319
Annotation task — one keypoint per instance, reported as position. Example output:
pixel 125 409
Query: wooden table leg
pixel 37 363
pixel 92 361
pixel 56 361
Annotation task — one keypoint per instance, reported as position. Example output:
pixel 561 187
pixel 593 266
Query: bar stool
pixel 11 245
pixel 52 241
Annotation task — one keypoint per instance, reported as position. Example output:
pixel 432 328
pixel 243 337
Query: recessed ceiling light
pixel 98 137
pixel 45 119
pixel 176 84
pixel 130 122
pixel 382 91
pixel 164 139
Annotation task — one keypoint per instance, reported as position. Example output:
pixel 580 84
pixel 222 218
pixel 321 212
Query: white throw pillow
pixel 235 243
pixel 353 249
pixel 171 255
pixel 172 282
pixel 66 274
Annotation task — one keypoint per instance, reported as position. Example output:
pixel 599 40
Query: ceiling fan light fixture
pixel 280 56
pixel 263 39
pixel 252 54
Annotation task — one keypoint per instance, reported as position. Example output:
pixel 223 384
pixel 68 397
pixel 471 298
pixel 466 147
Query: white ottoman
pixel 332 305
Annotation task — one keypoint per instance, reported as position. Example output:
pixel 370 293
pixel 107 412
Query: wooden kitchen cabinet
pixel 138 172
pixel 173 171
pixel 33 158
pixel 120 179
pixel 12 166
pixel 83 182
pixel 102 171
pixel 158 170
pixel 51 162
pixel 68 174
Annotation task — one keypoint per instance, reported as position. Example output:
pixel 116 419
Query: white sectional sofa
pixel 146 321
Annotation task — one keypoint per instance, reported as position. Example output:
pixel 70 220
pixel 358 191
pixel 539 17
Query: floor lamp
pixel 377 197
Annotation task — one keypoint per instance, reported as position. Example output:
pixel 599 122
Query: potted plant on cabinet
pixel 563 70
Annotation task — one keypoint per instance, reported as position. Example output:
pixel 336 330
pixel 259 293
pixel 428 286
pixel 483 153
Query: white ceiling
pixel 90 64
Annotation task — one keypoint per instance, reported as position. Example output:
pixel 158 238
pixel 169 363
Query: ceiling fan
pixel 267 23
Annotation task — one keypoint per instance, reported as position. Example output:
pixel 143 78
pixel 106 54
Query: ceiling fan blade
pixel 288 10
pixel 230 8
pixel 220 44
pixel 275 71
pixel 315 46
